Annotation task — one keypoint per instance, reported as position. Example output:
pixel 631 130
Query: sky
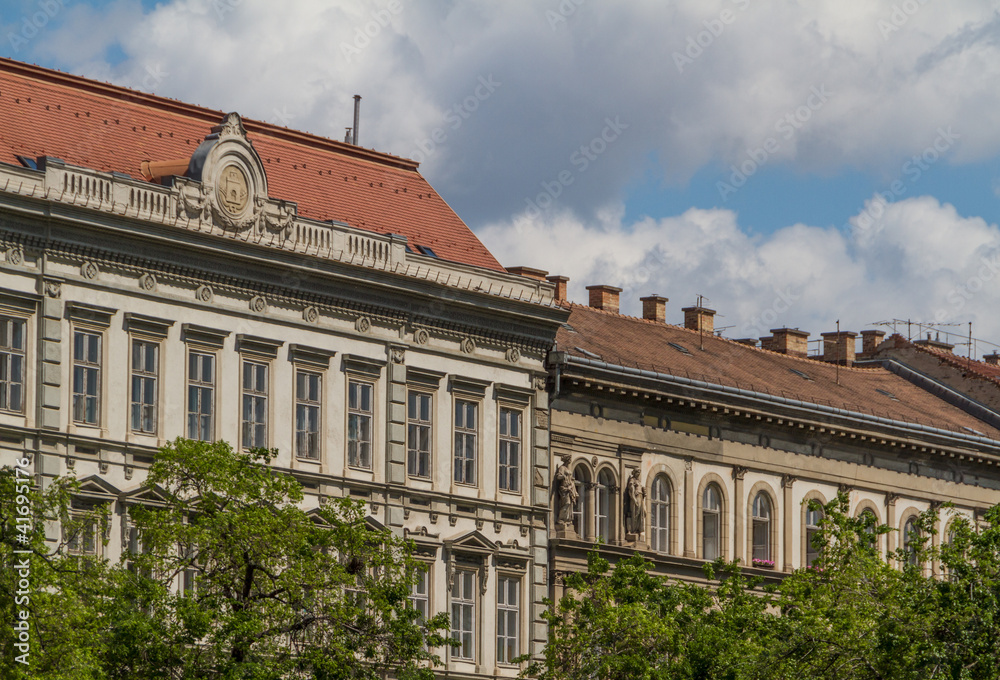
pixel 795 163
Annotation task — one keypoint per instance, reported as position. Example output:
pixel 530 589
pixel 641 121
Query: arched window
pixel 910 535
pixel 711 514
pixel 762 531
pixel 602 506
pixel 659 515
pixel 813 517
pixel 580 511
pixel 869 522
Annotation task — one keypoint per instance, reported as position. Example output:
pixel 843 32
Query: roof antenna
pixel 357 114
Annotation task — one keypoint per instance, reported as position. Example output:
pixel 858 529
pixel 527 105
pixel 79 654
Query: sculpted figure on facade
pixel 635 505
pixel 566 493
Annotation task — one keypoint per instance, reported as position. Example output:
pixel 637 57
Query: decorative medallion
pixel 513 355
pixel 421 336
pixel 233 190
pixel 310 314
pixel 15 255
pixel 363 324
pixel 258 304
pixel 147 282
pixel 468 345
pixel 204 293
pixel 88 270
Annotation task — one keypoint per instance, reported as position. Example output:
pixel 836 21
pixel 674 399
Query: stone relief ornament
pixel 15 256
pixel 310 314
pixel 363 324
pixel 513 355
pixel 468 345
pixel 421 336
pixel 258 304
pixel 53 289
pixel 398 355
pixel 88 270
pixel 147 282
pixel 233 190
pixel 204 293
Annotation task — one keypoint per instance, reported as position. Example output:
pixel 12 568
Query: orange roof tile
pixel 639 343
pixel 109 128
pixel 972 368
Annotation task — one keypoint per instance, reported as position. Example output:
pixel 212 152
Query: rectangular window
pixel 308 388
pixel 201 396
pixel 83 540
pixel 418 434
pixel 145 365
pixel 86 377
pixel 466 440
pixel 510 449
pixel 419 595
pixel 508 613
pixel 359 424
pixel 254 404
pixel 463 614
pixel 12 364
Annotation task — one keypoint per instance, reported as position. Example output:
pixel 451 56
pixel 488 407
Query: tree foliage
pixel 232 579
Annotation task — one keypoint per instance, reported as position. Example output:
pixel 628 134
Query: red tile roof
pixel 638 343
pixel 972 369
pixel 109 128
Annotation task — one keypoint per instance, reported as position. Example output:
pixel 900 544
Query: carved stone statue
pixel 565 488
pixel 635 505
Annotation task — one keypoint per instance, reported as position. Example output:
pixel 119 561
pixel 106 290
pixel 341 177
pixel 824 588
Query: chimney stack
pixel 654 308
pixel 839 347
pixel 561 284
pixel 992 359
pixel 790 341
pixel 699 319
pixel 870 340
pixel 537 274
pixel 750 342
pixel 936 343
pixel 357 117
pixel 604 297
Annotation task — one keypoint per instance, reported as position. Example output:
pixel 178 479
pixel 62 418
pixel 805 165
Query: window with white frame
pixel 418 433
pixel 582 481
pixel 359 424
pixel 145 369
pixel 911 536
pixel 12 364
pixel 308 391
pixel 466 440
pixel 201 396
pixel 508 614
pixel 255 394
pixel 420 594
pixel 711 514
pixel 761 531
pixel 509 451
pixel 602 505
pixel 87 377
pixel 659 515
pixel 813 517
pixel 463 614
pixel 82 533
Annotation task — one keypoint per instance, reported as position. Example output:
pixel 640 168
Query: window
pixel 508 612
pixel 12 364
pixel 82 533
pixel 761 518
pixel 359 424
pixel 466 436
pixel 580 511
pixel 869 523
pixel 711 514
pixel 254 404
pixel 418 434
pixel 602 506
pixel 86 377
pixel 419 597
pixel 813 517
pixel 659 518
pixel 145 366
pixel 463 614
pixel 509 453
pixel 308 388
pixel 911 536
pixel 201 396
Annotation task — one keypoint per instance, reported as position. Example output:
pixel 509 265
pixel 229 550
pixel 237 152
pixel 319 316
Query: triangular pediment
pixel 98 487
pixel 146 495
pixel 474 541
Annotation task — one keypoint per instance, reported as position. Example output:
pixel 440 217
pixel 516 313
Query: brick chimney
pixel 604 297
pixel 839 348
pixel 767 342
pixel 537 274
pixel 561 282
pixel 992 359
pixel 790 341
pixel 936 343
pixel 654 308
pixel 699 319
pixel 870 340
pixel 751 342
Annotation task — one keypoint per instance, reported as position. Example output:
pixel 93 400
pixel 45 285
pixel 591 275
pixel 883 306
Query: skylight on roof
pixel 680 348
pixel 804 376
pixel 581 350
pixel 28 162
pixel 887 393
pixel 426 250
